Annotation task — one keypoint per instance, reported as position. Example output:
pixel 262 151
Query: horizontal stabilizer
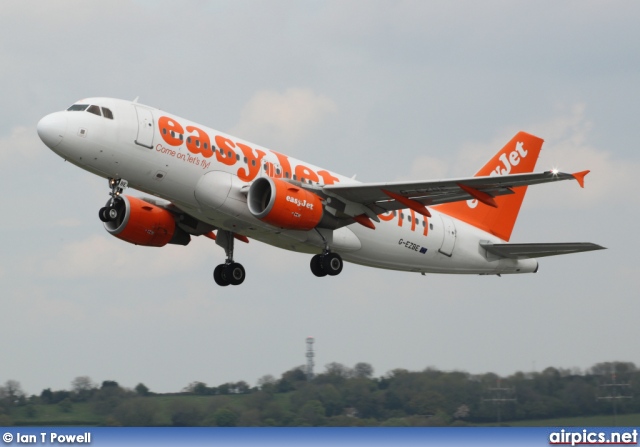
pixel 523 251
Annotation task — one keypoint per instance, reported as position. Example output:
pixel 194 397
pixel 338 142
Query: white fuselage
pixel 142 145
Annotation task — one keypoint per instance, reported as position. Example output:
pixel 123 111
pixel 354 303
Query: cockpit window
pixel 107 113
pixel 95 110
pixel 78 108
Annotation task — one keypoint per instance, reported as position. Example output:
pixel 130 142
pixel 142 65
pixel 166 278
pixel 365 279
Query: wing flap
pixel 436 192
pixel 523 251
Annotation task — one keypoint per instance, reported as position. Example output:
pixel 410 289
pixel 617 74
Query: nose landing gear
pixel 111 212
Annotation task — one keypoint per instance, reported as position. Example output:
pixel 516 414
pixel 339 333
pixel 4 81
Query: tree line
pixel 341 396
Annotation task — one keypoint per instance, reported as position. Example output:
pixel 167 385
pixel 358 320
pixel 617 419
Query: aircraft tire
pixel 235 274
pixel 104 216
pixel 112 213
pixel 316 266
pixel 218 276
pixel 332 264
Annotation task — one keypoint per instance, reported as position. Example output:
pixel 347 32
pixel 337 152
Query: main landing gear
pixel 230 272
pixel 326 264
pixel 112 211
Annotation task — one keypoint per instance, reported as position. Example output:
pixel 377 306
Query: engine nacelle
pixel 141 223
pixel 284 205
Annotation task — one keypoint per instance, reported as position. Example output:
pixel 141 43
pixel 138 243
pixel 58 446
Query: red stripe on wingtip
pixel 579 176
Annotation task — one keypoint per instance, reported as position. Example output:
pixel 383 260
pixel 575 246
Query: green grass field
pixel 622 420
pixel 82 414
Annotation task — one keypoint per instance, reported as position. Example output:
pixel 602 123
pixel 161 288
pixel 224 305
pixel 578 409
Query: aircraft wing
pixel 523 251
pixel 383 197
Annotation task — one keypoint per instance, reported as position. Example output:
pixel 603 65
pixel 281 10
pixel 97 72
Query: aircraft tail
pixel 518 156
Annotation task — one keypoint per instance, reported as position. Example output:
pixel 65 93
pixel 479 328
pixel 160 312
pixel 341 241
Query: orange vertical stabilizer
pixel 518 156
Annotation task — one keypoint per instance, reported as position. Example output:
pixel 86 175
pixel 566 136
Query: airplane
pixel 207 183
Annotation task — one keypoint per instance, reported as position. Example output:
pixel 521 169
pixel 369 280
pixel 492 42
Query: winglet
pixel 481 196
pixel 409 203
pixel 579 176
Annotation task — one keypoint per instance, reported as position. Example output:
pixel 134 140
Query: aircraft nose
pixel 51 129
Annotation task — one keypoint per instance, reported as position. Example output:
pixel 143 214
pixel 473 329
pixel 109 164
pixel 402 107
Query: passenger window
pixel 107 113
pixel 95 110
pixel 409 218
pixel 253 162
pixel 431 226
pixel 286 174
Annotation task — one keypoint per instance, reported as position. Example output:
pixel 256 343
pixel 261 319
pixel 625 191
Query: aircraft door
pixel 145 127
pixel 449 240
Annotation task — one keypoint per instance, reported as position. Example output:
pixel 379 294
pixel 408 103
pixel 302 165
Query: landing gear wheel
pixel 332 264
pixel 218 276
pixel 316 266
pixel 112 213
pixel 103 214
pixel 114 208
pixel 234 273
pixel 229 273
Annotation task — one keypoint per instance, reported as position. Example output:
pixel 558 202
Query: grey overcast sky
pixel 387 90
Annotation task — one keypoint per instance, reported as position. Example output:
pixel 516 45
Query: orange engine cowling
pixel 141 223
pixel 284 205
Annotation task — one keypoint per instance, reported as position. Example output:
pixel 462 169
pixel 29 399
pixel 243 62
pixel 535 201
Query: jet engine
pixel 284 205
pixel 138 222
